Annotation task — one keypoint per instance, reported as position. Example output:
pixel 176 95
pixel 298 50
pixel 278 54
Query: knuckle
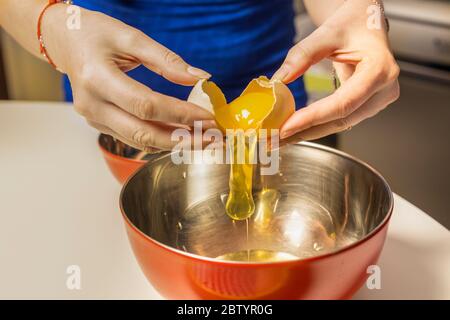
pixel 171 57
pixel 394 92
pixel 385 69
pixel 341 124
pixel 175 118
pixel 297 52
pixel 330 31
pixel 394 72
pixel 293 53
pixel 345 107
pixel 390 70
pixel 83 109
pixel 181 117
pixel 143 108
pixel 143 138
pixel 131 37
pixel 87 78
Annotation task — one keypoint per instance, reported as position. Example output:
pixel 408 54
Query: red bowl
pixel 182 276
pixel 151 200
pixel 121 167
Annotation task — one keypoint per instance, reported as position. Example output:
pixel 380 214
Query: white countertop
pixel 59 207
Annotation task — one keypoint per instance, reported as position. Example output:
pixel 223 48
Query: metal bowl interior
pixel 320 202
pixel 122 159
pixel 119 149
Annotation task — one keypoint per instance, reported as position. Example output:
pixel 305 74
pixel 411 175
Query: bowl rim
pixel 194 256
pixel 115 156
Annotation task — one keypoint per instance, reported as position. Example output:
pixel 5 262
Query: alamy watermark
pixel 374 279
pixel 73 281
pixel 236 146
pixel 73 21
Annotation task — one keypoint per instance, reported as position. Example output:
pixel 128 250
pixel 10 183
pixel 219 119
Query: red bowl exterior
pixel 176 275
pixel 122 168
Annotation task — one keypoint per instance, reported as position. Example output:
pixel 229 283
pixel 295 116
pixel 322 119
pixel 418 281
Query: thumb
pixel 317 46
pixel 165 62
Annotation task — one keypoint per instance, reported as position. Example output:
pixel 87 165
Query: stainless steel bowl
pixel 321 204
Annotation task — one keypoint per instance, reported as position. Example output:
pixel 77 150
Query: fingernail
pixel 199 73
pixel 281 73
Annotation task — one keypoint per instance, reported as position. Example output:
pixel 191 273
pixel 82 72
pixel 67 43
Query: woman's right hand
pixel 96 57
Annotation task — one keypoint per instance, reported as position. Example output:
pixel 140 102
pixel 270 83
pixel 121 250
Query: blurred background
pixel 409 143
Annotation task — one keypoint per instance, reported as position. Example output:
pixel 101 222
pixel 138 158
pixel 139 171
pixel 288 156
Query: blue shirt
pixel 234 40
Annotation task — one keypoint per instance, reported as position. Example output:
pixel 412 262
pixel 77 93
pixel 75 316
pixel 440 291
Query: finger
pixel 143 135
pixel 106 130
pixel 317 46
pixel 374 105
pixel 115 135
pixel 146 104
pixel 344 101
pixel 138 133
pixel 99 127
pixel 163 61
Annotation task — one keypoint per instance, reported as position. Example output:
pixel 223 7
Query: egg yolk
pixel 246 112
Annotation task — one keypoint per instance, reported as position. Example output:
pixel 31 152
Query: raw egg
pixel 264 104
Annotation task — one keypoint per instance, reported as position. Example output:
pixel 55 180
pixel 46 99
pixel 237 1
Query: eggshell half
pixel 208 95
pixel 283 106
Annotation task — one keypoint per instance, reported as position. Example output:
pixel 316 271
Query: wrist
pixel 372 13
pixel 359 19
pixel 54 36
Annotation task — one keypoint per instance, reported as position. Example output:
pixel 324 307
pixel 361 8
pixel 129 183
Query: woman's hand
pixel 364 65
pixel 96 57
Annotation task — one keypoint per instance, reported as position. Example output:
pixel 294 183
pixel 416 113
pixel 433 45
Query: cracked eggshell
pixel 284 103
pixel 207 95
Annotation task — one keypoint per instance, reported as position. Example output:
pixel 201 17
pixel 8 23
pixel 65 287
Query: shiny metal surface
pixel 121 149
pixel 320 202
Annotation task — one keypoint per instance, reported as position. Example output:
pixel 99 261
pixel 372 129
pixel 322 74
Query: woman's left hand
pixel 364 65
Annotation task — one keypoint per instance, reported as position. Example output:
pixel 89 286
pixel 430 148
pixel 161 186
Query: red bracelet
pixel 42 48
